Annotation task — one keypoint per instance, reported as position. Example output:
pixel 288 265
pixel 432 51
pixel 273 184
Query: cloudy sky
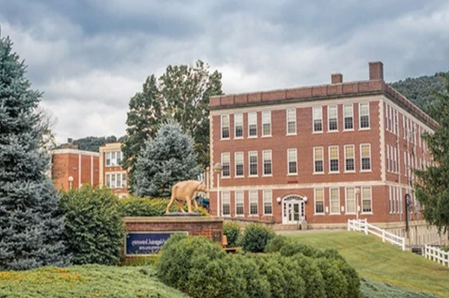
pixel 89 57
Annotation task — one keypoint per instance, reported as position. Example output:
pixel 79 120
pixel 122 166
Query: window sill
pixel 237 177
pixel 238 138
pixel 253 176
pixel 348 130
pixel 319 214
pixel 334 214
pixel 318 173
pixel 334 172
pixel 367 213
pixel 291 134
pixel 268 215
pixel 225 177
pixel 317 132
pixel 333 131
pixel 252 137
pixel 267 136
pixel 367 128
pixel 366 171
pixel 352 171
pixel 293 174
pixel 267 175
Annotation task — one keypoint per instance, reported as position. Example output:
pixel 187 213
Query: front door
pixel 293 210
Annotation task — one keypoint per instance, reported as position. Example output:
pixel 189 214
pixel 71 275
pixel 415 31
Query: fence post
pixel 366 227
pixel 349 229
pixel 403 244
pixel 383 235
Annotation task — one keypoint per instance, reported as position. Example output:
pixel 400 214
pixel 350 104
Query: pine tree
pixel 30 223
pixel 166 160
pixel 432 191
pixel 144 117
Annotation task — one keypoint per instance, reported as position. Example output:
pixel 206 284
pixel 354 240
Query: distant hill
pixel 418 90
pixel 93 143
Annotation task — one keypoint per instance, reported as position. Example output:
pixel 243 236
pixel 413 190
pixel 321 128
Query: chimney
pixel 336 78
pixel 376 71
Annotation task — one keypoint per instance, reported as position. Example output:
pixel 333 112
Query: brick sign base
pixel 210 227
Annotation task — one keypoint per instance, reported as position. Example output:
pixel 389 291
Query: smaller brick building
pixel 112 174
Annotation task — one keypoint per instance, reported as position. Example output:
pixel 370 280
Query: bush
pixel 335 282
pixel 255 237
pixel 315 286
pixel 293 248
pixel 93 231
pixel 232 232
pixel 276 243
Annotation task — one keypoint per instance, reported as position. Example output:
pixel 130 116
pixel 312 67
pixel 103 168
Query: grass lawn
pixel 382 262
pixel 86 281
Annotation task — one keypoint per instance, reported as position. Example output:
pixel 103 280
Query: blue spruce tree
pixel 30 223
pixel 166 160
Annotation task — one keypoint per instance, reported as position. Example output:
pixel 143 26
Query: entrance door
pixel 293 210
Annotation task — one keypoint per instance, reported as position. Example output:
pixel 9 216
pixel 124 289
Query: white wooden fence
pixel 362 225
pixel 436 254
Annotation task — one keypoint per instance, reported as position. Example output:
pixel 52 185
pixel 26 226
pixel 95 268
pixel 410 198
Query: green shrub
pixel 257 284
pixel 335 282
pixel 94 231
pixel 255 237
pixel 293 248
pixel 232 232
pixel 276 243
pixel 315 286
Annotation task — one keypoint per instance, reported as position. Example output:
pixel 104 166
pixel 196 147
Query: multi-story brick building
pixel 324 154
pixel 112 174
pixel 72 168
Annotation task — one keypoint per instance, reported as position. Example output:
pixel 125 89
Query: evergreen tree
pixel 166 160
pixel 432 191
pixel 30 223
pixel 144 118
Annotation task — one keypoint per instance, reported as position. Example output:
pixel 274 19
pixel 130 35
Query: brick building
pixel 72 168
pixel 324 154
pixel 112 174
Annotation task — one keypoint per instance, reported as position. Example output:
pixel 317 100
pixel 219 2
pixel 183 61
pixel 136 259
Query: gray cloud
pixel 91 56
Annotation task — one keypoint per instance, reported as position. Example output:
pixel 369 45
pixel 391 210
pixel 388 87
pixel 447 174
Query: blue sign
pixel 144 243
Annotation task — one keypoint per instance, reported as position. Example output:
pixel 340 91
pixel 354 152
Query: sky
pixel 89 57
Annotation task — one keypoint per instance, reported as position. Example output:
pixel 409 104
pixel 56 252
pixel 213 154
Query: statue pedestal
pixel 177 213
pixel 146 235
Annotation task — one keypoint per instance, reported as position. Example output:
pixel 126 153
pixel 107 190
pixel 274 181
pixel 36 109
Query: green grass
pixel 382 262
pixel 86 281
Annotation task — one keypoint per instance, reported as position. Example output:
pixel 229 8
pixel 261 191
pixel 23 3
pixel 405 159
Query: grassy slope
pixel 86 281
pixel 383 262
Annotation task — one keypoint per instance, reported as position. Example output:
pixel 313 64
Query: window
pixel 267 202
pixel 226 163
pixel 348 117
pixel 349 158
pixel 334 198
pixel 332 118
pixel 318 159
pixel 239 203
pixel 388 158
pixel 390 201
pixel 333 159
pixel 366 200
pixel 116 180
pixel 317 119
pixel 238 125
pixel 364 115
pixel 225 203
pixel 113 158
pixel 108 180
pixel 266 123
pixel 225 126
pixel 351 205
pixel 252 155
pixel 292 160
pixel 404 130
pixel 291 121
pixel 319 201
pixel 365 152
pixel 387 108
pixel 108 158
pixel 239 164
pixel 253 202
pixel 124 181
pixel 252 124
pixel 266 154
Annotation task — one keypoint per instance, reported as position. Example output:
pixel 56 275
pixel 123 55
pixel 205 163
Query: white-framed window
pixel 267 202
pixel 334 200
pixel 364 115
pixel 319 200
pixel 349 158
pixel 225 203
pixel 317 119
pixel 395 160
pixel 318 160
pixel 239 203
pixel 388 159
pixel 225 126
pixel 238 125
pixel 390 199
pixel 252 124
pixel 226 163
pixel 396 122
pixel 292 161
pixel 365 156
pixel 367 202
pixel 266 123
pixel 266 155
pixel 291 121
pixel 113 158
pixel 351 203
pixel 332 118
pixel 348 115
pixel 387 109
pixel 390 118
pixel 333 159
pixel 116 180
pixel 404 128
pixel 252 157
pixel 239 164
pixel 253 202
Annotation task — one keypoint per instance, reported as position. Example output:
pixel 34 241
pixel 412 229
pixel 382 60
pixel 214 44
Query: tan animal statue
pixel 185 191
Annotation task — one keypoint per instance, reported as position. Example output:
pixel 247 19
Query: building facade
pixel 323 154
pixel 112 174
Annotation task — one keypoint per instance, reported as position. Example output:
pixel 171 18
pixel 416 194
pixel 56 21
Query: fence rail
pixel 436 254
pixel 362 225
